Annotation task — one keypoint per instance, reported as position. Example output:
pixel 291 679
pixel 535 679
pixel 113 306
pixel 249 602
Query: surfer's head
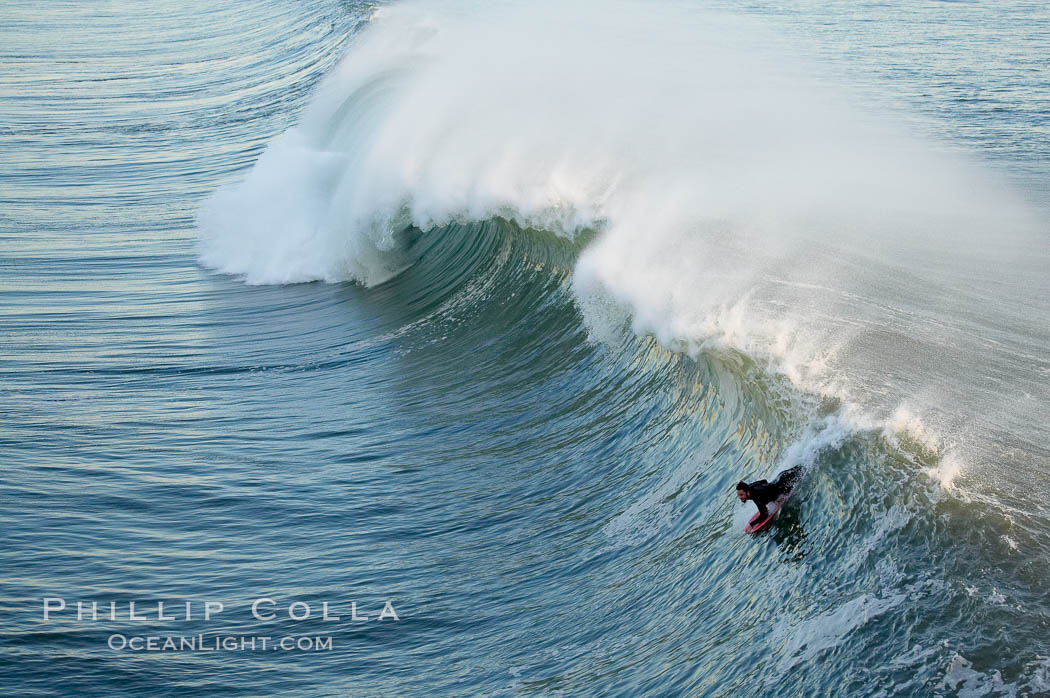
pixel 743 491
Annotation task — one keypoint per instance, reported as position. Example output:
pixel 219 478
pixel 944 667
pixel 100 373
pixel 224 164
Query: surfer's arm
pixel 761 509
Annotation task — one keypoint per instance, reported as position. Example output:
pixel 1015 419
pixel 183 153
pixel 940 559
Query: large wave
pixel 743 200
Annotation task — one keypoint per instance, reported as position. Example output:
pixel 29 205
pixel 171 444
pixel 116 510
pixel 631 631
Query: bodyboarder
pixel 762 493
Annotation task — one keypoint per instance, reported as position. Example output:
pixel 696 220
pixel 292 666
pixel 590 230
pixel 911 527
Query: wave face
pixel 743 200
pixel 590 266
pixel 781 264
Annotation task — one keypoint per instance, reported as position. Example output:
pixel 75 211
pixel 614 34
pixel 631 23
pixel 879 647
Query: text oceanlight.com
pixel 219 643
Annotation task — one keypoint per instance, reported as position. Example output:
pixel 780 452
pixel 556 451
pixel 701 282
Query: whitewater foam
pixel 967 682
pixel 647 120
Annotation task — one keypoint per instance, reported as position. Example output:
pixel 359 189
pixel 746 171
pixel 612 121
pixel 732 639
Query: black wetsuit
pixel 762 492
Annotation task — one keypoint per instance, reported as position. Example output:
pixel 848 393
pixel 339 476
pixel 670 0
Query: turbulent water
pixel 482 309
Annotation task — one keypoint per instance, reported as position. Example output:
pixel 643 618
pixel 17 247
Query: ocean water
pixel 466 318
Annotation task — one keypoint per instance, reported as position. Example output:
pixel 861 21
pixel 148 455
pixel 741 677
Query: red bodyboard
pixel 755 525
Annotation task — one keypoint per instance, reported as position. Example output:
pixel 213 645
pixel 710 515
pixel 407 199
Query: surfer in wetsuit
pixel 762 493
